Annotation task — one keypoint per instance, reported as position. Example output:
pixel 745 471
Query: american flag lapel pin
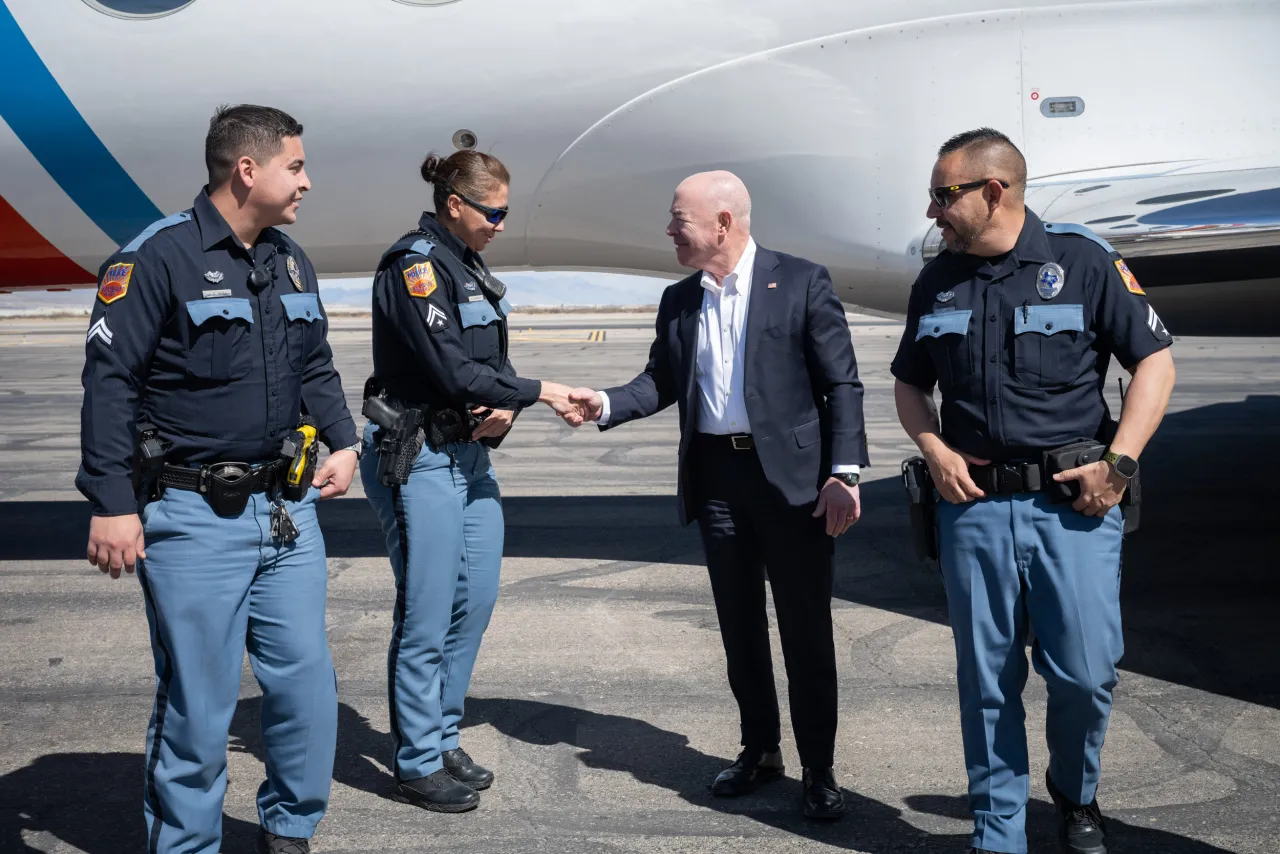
pixel 773 285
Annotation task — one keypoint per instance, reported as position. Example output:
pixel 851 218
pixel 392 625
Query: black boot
pixel 1080 827
pixel 269 843
pixel 822 797
pixel 466 772
pixel 437 792
pixel 752 769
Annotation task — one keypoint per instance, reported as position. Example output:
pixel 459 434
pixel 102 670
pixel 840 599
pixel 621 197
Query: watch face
pixel 1126 467
pixel 849 478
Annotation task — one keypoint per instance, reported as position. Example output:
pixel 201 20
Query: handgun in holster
pixel 148 460
pixel 922 504
pixel 398 440
pixel 299 453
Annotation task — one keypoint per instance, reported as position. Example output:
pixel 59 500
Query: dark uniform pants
pixel 444 531
pixel 1016 563
pixel 212 587
pixel 746 530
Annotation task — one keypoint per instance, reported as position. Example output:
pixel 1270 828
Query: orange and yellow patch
pixel 115 283
pixel 420 279
pixel 1130 281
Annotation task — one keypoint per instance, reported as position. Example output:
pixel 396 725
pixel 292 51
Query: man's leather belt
pixel 736 441
pixel 259 478
pixel 1008 478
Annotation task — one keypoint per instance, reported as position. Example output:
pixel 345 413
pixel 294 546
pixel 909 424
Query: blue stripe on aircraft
pixel 49 125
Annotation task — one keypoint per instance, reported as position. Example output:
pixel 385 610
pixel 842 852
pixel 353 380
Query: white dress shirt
pixel 721 350
pixel 721 353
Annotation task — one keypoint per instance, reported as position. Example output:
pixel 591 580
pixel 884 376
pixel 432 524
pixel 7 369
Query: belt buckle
pixel 1010 479
pixel 741 442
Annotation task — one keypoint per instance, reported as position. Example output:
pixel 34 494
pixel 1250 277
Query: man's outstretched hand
pixel 589 402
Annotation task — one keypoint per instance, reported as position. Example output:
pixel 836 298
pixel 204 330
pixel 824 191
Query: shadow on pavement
pixel 1199 594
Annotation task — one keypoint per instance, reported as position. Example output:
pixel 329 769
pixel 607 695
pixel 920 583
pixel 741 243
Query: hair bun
pixel 431 169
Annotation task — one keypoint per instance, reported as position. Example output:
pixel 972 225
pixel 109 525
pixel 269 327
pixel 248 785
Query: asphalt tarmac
pixel 600 698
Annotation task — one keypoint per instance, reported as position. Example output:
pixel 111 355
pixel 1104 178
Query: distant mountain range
pixel 524 289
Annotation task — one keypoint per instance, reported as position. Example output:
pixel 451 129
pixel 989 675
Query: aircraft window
pixel 138 8
pixel 1183 197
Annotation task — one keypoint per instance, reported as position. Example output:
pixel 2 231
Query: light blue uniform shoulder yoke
pixel 405 246
pixel 1072 228
pixel 156 227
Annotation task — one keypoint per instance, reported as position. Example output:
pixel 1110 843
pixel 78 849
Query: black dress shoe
pixel 752 769
pixel 1080 827
pixel 822 797
pixel 466 772
pixel 269 843
pixel 438 792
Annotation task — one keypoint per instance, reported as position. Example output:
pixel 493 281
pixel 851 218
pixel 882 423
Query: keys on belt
pixel 1008 478
pixel 227 487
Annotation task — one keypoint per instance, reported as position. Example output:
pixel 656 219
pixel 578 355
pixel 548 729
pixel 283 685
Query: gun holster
pixel 922 504
pixel 398 439
pixel 148 460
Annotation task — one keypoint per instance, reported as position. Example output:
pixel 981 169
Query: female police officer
pixel 440 349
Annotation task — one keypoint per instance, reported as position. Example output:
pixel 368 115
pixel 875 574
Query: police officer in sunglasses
pixel 1015 324
pixel 440 354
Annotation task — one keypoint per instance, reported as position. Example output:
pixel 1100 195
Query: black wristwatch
pixel 1123 464
pixel 848 478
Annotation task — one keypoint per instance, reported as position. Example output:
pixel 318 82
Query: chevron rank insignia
pixel 101 331
pixel 420 279
pixel 115 284
pixel 1130 281
pixel 435 318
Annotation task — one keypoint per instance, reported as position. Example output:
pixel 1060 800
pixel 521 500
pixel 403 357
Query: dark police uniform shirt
pixel 439 337
pixel 181 338
pixel 1019 344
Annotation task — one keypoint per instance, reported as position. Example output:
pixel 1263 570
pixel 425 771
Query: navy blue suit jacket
pixel 804 399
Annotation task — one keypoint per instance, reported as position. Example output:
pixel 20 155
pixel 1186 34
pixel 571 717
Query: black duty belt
pixel 1008 478
pixel 735 441
pixel 257 478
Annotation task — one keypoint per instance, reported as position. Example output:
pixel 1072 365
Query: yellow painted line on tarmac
pixel 560 336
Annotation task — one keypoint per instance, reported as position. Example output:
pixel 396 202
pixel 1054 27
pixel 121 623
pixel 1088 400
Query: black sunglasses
pixel 942 196
pixel 492 215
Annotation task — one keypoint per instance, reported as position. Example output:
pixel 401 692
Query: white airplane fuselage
pixel 831 111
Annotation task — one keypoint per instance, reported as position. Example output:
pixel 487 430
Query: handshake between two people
pixel 577 406
pixel 839 504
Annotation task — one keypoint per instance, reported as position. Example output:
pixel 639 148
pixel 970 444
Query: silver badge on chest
pixel 295 275
pixel 213 276
pixel 945 296
pixel 1049 280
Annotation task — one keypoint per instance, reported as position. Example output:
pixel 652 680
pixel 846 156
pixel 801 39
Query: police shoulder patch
pixel 115 283
pixel 1130 281
pixel 420 279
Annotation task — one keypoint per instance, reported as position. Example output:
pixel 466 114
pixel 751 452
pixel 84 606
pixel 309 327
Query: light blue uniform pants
pixel 444 532
pixel 213 587
pixel 1016 563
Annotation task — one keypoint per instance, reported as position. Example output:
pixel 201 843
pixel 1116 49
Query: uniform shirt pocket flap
pixel 807 434
pixel 477 314
pixel 944 323
pixel 305 307
pixel 1048 319
pixel 202 310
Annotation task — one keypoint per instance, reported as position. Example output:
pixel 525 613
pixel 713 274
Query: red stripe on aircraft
pixel 27 260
